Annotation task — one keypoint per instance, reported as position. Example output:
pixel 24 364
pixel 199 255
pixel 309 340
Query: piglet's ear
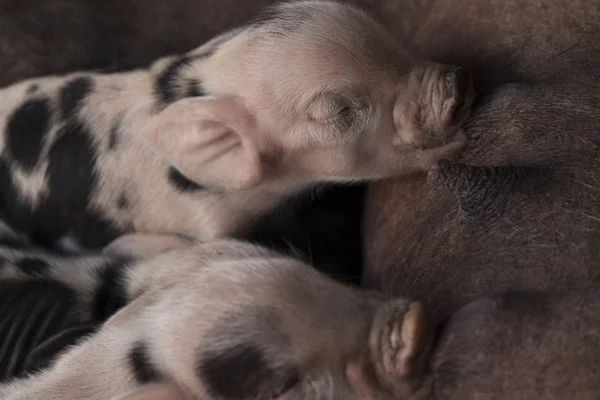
pixel 212 141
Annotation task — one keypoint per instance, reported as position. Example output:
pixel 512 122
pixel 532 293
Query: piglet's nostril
pixel 459 89
pixel 458 81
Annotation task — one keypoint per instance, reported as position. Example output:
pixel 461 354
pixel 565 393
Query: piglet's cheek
pixel 406 123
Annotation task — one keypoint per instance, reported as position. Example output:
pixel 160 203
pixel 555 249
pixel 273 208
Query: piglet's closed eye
pixel 210 140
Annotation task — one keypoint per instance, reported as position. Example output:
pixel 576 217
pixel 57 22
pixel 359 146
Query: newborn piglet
pixel 230 320
pixel 205 143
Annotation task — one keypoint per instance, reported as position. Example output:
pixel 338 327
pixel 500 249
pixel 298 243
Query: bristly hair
pixel 285 16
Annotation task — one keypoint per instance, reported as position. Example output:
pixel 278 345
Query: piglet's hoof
pixel 402 337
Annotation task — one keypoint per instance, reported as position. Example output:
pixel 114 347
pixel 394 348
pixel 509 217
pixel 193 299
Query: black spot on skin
pixel 71 190
pixel 73 94
pixel 13 209
pixel 33 266
pixel 26 130
pixel 123 202
pixel 194 89
pixel 167 82
pixel 70 187
pixel 249 348
pixel 65 206
pixel 113 138
pixel 241 372
pixel 181 182
pixel 33 88
pixel 141 364
pixel 111 293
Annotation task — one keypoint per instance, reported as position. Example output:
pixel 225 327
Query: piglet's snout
pixel 432 118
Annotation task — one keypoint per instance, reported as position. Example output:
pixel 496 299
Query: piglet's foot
pixel 402 338
pixel 140 246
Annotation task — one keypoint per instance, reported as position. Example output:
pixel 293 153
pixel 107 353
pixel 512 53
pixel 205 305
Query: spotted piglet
pixel 202 144
pixel 231 320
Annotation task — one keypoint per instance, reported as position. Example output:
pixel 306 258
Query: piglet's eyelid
pixel 326 110
pixel 346 114
pixel 347 107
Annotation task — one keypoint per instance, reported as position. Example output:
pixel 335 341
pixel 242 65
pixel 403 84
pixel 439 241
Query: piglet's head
pixel 316 91
pixel 335 97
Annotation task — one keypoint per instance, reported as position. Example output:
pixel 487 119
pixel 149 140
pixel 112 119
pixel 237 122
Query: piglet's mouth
pixel 435 140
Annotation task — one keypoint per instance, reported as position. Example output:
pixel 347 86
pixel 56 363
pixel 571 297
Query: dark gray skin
pixel 537 231
pixel 529 222
pixel 518 211
pixel 521 345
